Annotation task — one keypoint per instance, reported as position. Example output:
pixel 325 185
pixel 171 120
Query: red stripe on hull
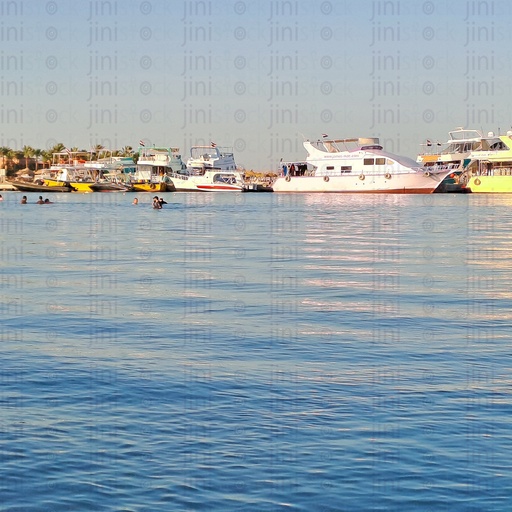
pixel 218 187
pixel 397 191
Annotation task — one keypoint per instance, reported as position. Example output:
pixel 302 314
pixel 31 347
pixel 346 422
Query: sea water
pixel 256 352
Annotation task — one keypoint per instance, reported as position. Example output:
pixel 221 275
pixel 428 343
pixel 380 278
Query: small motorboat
pixel 39 186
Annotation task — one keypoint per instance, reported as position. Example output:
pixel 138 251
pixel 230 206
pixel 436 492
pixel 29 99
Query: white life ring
pixel 326 178
pixel 287 178
pixel 388 176
pixel 477 182
pixel 427 174
pixel 361 177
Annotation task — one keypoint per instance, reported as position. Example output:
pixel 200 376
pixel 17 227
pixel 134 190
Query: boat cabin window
pixel 389 162
pixel 498 145
pixel 368 161
pixel 330 167
pixel 346 168
pixel 380 161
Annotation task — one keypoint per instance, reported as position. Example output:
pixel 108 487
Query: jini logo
pixel 102 33
pixel 479 8
pixel 11 87
pixel 11 115
pixel 102 8
pixel 11 33
pixel 385 8
pixel 279 9
pixel 196 9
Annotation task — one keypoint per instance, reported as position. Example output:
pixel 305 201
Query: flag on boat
pixel 324 135
pixel 213 145
pixel 141 143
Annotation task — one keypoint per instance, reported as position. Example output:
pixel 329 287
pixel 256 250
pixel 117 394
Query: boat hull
pixel 149 187
pixel 77 186
pixel 219 188
pixel 490 184
pixel 110 187
pixel 406 183
pixel 35 187
pixel 205 184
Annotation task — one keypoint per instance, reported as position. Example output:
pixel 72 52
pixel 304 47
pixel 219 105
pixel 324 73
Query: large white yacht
pixel 358 165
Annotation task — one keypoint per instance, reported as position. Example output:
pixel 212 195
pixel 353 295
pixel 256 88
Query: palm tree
pixel 47 157
pixel 126 151
pixel 9 156
pixel 38 153
pixel 57 148
pixel 28 152
pixel 3 153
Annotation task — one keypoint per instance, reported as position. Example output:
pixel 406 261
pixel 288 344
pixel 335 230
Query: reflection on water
pixel 247 351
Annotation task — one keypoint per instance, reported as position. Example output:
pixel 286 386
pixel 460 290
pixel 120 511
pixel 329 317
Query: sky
pixel 255 76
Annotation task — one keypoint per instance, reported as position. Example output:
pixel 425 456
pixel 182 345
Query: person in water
pixel 23 200
pixel 161 201
pixel 136 201
pixel 156 203
pixel 40 200
pixel 47 201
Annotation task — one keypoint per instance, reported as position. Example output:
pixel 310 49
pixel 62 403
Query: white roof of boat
pixel 367 145
pixel 357 140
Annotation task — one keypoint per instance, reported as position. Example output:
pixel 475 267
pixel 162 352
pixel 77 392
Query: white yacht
pixel 209 169
pixel 358 165
pixel 209 157
pixel 455 151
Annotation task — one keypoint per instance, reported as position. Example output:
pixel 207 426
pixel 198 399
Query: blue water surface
pixel 256 352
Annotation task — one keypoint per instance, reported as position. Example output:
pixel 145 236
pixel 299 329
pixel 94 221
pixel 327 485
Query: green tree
pixel 10 155
pixel 38 153
pixel 47 157
pixel 57 148
pixel 126 151
pixel 4 150
pixel 28 152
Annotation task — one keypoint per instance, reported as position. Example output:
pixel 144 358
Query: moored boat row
pixel 468 162
pixel 158 169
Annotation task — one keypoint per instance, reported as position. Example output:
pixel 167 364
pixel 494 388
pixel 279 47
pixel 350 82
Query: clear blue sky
pixel 254 75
